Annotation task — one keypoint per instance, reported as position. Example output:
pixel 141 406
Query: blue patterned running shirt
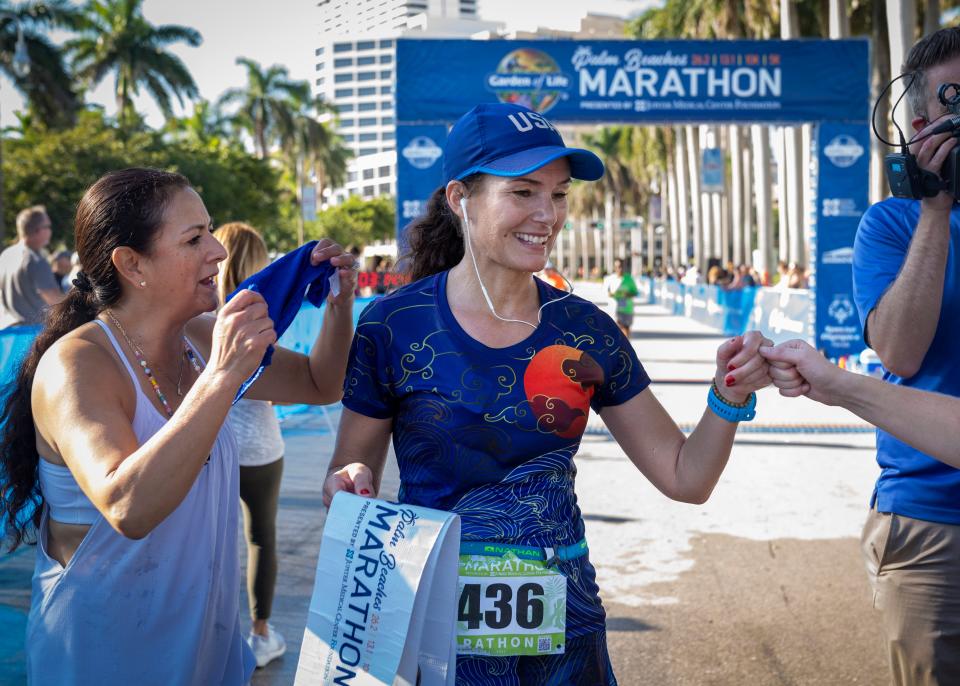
pixel 490 433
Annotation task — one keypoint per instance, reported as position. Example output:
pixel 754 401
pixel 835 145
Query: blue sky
pixel 285 32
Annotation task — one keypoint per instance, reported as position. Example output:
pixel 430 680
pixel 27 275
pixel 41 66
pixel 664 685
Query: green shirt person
pixel 623 289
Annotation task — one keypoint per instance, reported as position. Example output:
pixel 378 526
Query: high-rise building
pixel 344 17
pixel 355 73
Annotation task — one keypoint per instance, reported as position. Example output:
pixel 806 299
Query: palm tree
pixel 267 104
pixel 115 37
pixel 608 143
pixel 312 149
pixel 207 126
pixel 47 86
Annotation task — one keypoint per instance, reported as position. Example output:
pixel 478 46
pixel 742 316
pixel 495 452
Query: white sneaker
pixel 267 648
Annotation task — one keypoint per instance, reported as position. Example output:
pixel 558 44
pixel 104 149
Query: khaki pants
pixel 914 569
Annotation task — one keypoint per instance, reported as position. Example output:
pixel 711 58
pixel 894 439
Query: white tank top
pixel 160 610
pixel 257 431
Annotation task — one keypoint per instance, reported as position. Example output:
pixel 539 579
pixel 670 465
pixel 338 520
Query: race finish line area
pixel 723 592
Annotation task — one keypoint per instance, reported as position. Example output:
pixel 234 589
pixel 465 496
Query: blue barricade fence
pixel 781 314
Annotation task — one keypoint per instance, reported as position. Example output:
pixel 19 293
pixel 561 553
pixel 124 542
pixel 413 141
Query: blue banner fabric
pixel 844 167
pixel 419 169
pixel 637 81
pixel 15 342
pixel 712 170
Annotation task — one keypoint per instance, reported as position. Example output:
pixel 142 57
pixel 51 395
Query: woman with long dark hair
pixel 485 376
pixel 114 434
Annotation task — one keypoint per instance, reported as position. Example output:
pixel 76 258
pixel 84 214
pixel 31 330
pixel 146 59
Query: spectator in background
pixel 257 430
pixel 553 277
pixel 358 259
pixel 746 278
pixel 622 288
pixel 380 269
pixel 796 278
pixel 27 284
pixel 691 277
pixel 781 278
pixel 61 266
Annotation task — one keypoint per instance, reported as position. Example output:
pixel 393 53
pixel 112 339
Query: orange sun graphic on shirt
pixel 559 383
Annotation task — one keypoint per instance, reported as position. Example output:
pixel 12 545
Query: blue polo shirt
pixel 912 483
pixel 491 433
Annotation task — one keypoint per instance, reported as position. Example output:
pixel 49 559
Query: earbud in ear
pixel 463 205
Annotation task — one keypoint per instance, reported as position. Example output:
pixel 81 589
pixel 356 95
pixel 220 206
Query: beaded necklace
pixel 187 350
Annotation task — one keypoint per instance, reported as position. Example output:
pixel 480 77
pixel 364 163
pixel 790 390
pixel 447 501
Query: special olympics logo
pixel 844 151
pixel 841 309
pixel 528 77
pixel 422 152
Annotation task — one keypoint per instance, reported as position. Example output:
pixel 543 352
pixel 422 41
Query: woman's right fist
pixel 241 335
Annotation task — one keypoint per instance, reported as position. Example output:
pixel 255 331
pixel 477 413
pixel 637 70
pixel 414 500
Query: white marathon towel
pixel 383 609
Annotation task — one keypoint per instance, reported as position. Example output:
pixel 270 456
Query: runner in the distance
pixel 484 376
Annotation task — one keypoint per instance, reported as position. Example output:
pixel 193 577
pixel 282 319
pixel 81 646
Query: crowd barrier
pixel 781 313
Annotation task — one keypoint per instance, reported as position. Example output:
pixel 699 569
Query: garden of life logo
pixel 422 152
pixel 841 309
pixel 529 77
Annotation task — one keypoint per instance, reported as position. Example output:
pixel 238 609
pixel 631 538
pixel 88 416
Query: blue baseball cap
pixel 509 140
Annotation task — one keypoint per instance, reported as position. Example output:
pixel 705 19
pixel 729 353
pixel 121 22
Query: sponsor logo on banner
pixel 422 152
pixel 841 309
pixel 529 77
pixel 840 207
pixel 838 256
pixel 779 322
pixel 414 208
pixel 844 151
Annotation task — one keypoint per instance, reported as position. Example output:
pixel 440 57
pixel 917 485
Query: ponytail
pixel 18 441
pixel 435 239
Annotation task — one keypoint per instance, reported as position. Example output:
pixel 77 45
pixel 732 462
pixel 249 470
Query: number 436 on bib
pixel 507 606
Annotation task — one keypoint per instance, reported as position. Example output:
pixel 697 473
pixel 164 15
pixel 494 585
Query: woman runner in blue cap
pixel 485 376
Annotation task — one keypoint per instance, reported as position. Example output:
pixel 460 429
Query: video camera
pixel 906 178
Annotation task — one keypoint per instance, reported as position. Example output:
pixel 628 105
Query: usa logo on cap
pixel 510 140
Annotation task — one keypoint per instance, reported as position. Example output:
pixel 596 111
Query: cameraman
pixel 906 278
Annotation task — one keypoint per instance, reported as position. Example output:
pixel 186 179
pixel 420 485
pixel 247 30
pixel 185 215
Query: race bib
pixel 508 606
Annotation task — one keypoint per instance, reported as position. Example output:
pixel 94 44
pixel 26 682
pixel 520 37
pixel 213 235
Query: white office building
pixel 355 72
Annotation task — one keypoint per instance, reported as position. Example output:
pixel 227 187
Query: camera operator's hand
pixel 931 153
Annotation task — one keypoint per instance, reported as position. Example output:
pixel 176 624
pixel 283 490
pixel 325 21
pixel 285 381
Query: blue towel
pixel 282 285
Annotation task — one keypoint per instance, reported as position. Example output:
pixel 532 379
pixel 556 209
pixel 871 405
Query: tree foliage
pixel 55 168
pixel 356 221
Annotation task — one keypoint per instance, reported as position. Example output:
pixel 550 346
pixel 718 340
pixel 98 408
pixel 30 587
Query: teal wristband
pixel 724 409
